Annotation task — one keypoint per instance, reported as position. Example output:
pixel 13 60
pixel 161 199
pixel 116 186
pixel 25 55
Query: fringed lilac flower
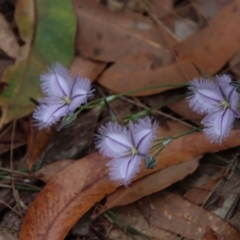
pixel 63 95
pixel 219 100
pixel 126 147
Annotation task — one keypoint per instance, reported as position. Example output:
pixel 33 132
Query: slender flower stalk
pixel 63 95
pixel 219 100
pixel 126 147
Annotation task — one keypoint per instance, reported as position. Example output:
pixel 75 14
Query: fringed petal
pixel 229 92
pixel 57 81
pixel 113 140
pixel 205 96
pixel 218 125
pixel 81 91
pixel 144 134
pixel 123 170
pixel 47 115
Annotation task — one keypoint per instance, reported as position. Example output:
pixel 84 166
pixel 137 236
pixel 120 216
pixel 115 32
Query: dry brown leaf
pixel 209 235
pixel 171 212
pixel 109 36
pixel 131 215
pixel 147 185
pixel 210 48
pixel 199 195
pixel 77 188
pixel 8 40
pixel 60 203
pixel 86 68
pixel 182 108
pixel 49 171
pixel 143 71
pixel 162 8
pixel 235 64
pixel 39 144
pixel 209 9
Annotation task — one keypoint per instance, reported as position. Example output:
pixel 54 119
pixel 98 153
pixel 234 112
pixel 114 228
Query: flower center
pixel 134 151
pixel 225 104
pixel 66 100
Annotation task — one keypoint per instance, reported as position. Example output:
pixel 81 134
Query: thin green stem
pixel 163 142
pixel 96 102
pixel 182 134
pixel 159 105
pixel 152 87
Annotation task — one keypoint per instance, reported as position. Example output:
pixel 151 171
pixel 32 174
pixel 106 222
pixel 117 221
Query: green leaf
pixel 47 28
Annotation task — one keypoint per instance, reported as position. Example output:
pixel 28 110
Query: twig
pixel 157 112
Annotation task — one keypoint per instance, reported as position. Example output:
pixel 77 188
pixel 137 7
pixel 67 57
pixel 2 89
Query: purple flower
pixel 126 147
pixel 63 95
pixel 219 100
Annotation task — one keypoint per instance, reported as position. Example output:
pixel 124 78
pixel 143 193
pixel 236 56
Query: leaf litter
pixel 79 195
pixel 121 46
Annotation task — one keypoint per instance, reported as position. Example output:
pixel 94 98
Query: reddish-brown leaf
pixel 210 48
pixel 161 8
pixel 109 36
pixel 182 108
pixel 199 195
pixel 77 188
pixel 209 235
pixel 131 215
pixel 39 144
pixel 207 49
pixel 143 71
pixel 171 212
pixel 147 185
pixel 235 64
pixel 86 68
pixel 64 199
pixel 49 171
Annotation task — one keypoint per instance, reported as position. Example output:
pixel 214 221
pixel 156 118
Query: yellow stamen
pixel 134 151
pixel 225 104
pixel 66 100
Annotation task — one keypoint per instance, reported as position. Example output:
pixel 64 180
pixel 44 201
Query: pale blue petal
pixel 57 81
pixel 144 134
pixel 229 91
pixel 218 125
pixel 81 91
pixel 47 115
pixel 223 79
pixel 205 96
pixel 82 86
pixel 123 170
pixel 76 102
pixel 113 140
pixel 236 114
pixel 132 133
